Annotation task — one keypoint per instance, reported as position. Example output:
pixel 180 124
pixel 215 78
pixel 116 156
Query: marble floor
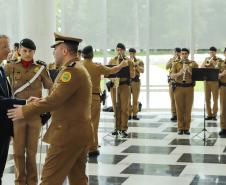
pixel 153 154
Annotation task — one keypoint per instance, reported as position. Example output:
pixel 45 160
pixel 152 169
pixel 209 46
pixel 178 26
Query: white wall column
pixel 38 22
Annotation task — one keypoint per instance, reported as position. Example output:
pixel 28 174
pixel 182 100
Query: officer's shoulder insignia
pixel 72 64
pixel 12 61
pixel 36 69
pixel 41 63
pixel 17 61
pixel 65 77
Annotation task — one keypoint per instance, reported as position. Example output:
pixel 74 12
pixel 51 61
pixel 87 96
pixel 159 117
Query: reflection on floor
pixel 153 154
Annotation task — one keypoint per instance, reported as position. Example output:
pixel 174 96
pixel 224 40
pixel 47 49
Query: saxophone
pixel 185 67
pixel 117 80
pixel 208 62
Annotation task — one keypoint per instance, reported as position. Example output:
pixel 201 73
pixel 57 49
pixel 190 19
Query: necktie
pixel 3 80
pixel 1 72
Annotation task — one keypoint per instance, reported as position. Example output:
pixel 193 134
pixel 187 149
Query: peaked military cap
pixel 28 43
pixel 59 38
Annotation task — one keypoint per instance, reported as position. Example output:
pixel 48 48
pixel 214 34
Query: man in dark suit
pixel 6 102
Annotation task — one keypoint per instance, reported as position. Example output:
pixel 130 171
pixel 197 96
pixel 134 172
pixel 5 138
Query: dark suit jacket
pixel 6 102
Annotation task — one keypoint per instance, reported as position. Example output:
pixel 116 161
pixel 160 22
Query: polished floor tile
pixel 103 180
pixel 154 169
pixel 9 170
pixel 209 180
pixel 209 124
pixel 147 116
pixel 198 142
pixel 107 159
pixel 149 149
pixel 146 135
pixel 137 124
pixel 10 157
pixel 109 140
pixel 170 129
pixel 165 120
pixel 202 158
pixel 153 154
pixel 216 135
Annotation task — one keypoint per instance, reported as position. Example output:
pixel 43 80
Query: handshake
pixel 17 113
pixel 33 99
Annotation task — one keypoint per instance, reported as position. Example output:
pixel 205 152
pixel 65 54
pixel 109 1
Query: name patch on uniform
pixel 36 69
pixel 65 77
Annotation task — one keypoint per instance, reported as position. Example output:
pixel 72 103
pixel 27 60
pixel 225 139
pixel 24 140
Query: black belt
pixel 136 80
pixel 124 83
pixel 96 94
pixel 184 85
pixel 222 84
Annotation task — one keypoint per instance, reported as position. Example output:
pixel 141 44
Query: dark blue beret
pixel 121 46
pixel 132 50
pixel 28 43
pixel 87 50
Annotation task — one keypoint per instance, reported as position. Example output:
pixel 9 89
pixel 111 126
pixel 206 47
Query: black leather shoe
pixel 124 134
pixel 136 118
pixel 222 132
pixel 174 118
pixel 208 118
pixel 115 133
pixel 129 118
pixel 214 118
pixel 186 132
pixel 94 153
pixel 180 132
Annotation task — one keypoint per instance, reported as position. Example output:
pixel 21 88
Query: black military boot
pixel 174 118
pixel 115 132
pixel 214 118
pixel 124 134
pixel 222 132
pixel 209 118
pixel 94 153
pixel 180 132
pixel 186 132
pixel 129 118
pixel 136 118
